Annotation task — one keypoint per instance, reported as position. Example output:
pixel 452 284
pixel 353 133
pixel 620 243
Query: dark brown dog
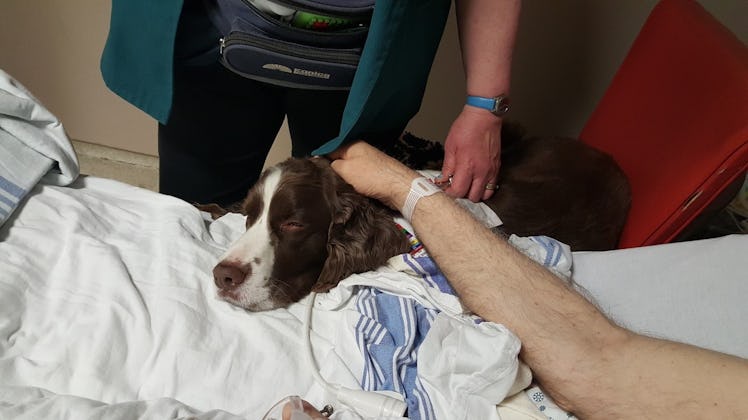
pixel 558 187
pixel 307 229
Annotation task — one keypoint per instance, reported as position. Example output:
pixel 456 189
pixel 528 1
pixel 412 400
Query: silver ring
pixel 327 410
pixel 449 180
pixel 491 186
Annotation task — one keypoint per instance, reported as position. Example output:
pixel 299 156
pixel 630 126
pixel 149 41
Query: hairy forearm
pixel 487 30
pixel 500 284
pixel 557 326
pixel 584 362
pixel 652 378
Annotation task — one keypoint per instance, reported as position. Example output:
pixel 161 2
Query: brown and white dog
pixel 307 229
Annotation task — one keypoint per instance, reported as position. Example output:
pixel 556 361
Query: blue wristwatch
pixel 498 105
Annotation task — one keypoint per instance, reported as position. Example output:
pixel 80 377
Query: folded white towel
pixel 33 146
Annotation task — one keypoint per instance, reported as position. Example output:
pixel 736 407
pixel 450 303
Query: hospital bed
pixel 108 309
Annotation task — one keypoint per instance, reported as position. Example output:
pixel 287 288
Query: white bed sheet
pixel 105 294
pixel 107 310
pixel 693 292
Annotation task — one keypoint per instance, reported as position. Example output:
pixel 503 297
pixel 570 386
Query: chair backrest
pixel 675 118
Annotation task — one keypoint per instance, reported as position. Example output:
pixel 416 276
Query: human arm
pixel 586 363
pixel 487 30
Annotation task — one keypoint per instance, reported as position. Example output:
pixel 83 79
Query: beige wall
pixel 566 53
pixel 53 48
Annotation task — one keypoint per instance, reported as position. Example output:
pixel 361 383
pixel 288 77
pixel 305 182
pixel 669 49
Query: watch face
pixel 501 106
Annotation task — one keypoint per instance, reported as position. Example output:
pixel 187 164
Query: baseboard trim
pixel 108 162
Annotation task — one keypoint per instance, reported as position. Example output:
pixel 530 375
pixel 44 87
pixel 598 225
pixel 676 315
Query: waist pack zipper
pixel 349 57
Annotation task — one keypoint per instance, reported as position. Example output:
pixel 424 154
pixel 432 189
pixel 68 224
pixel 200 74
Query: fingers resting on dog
pixel 372 172
pixel 471 163
pixel 472 155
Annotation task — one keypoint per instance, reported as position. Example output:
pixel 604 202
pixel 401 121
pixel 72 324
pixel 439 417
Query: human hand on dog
pixel 373 173
pixel 472 154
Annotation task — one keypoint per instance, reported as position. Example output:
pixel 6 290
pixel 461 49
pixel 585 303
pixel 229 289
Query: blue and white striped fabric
pixel 389 345
pixel 395 318
pixel 430 273
pixel 33 146
pixel 20 169
pixel 10 195
pixel 552 254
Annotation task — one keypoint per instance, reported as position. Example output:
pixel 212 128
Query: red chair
pixel 675 118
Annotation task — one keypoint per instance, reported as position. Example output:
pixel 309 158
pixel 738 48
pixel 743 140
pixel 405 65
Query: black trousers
pixel 222 125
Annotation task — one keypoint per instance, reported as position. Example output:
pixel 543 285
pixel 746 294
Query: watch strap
pixel 498 105
pixel 481 102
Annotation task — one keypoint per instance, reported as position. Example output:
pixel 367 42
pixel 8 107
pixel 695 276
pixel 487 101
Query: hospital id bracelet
pixel 419 188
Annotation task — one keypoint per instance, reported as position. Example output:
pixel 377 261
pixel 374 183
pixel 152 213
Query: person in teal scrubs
pixel 216 127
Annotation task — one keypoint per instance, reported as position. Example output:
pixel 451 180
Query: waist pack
pixel 302 44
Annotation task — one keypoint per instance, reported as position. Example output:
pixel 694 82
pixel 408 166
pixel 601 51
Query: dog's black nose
pixel 229 276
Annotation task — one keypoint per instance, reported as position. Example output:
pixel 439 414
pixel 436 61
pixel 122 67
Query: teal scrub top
pixel 137 62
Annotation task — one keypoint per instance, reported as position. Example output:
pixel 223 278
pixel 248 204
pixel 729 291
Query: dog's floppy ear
pixel 215 210
pixel 362 236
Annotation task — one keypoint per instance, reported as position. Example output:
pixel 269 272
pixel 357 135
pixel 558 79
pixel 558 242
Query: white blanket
pixel 107 305
pixel 107 310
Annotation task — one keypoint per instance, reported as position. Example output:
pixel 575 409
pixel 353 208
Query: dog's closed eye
pixel 291 226
pixel 306 230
